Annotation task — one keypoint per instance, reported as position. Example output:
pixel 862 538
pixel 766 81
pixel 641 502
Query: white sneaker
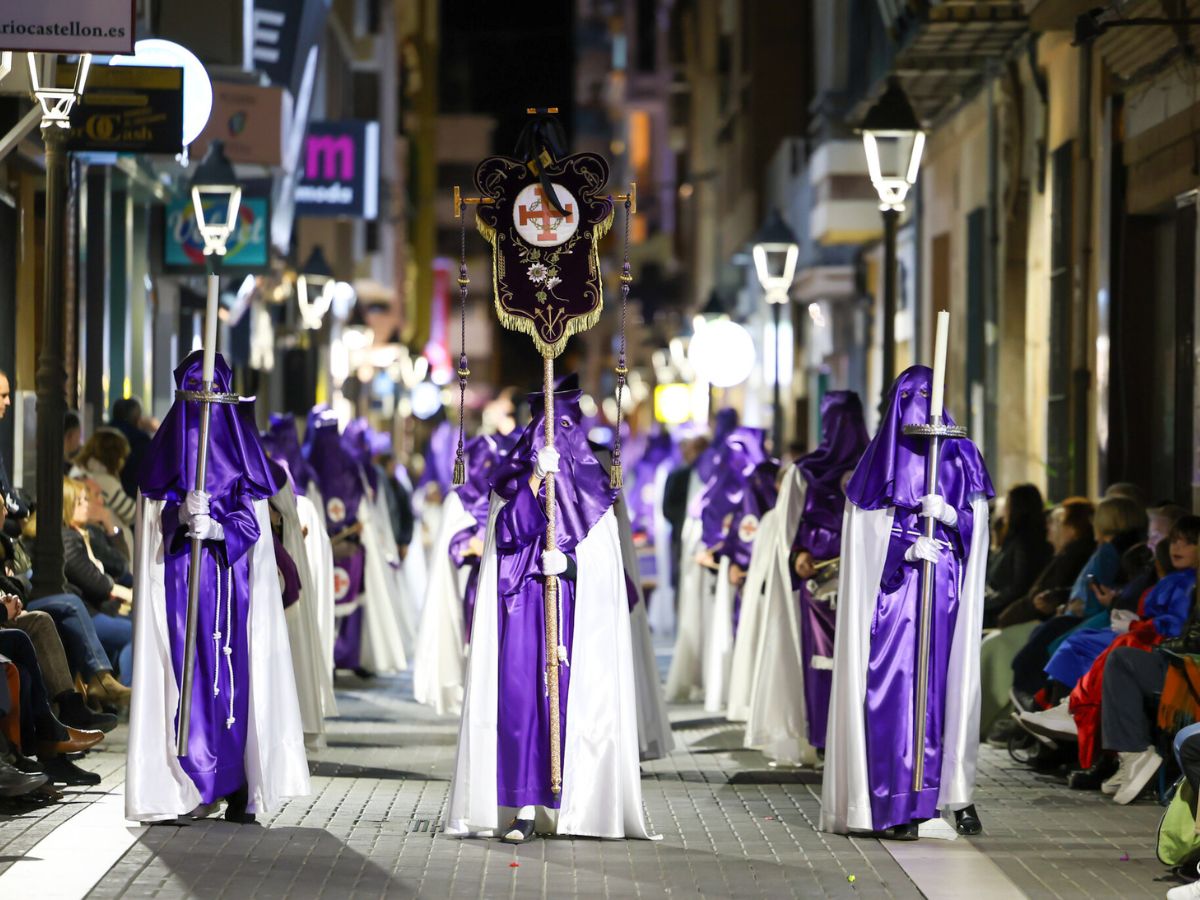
pixel 1114 783
pixel 1139 768
pixel 1185 892
pixel 1056 722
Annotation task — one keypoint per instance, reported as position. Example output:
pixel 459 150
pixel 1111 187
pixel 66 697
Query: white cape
pixel 387 632
pixel 718 643
pixel 156 786
pixel 601 789
pixel 439 661
pixel 320 563
pixel 654 726
pixel 846 791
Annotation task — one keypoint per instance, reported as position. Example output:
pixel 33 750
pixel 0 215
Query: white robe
pixel 439 661
pixel 718 641
pixel 775 713
pixel 846 791
pixel 654 725
pixel 319 551
pixel 601 789
pixel 156 786
pixel 685 677
pixel 662 598
pixel 387 633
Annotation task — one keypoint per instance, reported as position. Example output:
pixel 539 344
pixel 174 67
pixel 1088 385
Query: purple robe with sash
pixel 237 476
pixel 583 496
pixel 758 496
pixel 843 439
pixel 890 478
pixel 337 477
pixel 733 465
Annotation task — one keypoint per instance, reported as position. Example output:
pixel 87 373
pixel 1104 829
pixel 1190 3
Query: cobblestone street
pixel 731 827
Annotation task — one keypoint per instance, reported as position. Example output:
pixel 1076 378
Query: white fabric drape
pixel 320 562
pixel 601 791
pixel 156 786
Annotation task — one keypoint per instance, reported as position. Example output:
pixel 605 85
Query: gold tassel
pixel 460 473
pixel 614 476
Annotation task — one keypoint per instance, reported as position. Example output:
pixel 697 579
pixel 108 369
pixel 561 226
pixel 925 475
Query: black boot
pixel 905 832
pixel 966 821
pixel 1090 779
pixel 62 771
pixel 235 807
pixel 72 711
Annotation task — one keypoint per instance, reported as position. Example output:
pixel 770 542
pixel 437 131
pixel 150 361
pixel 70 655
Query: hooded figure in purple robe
pixel 818 538
pixel 245 742
pixel 503 764
pixel 645 497
pixel 282 443
pixel 868 782
pixel 439 458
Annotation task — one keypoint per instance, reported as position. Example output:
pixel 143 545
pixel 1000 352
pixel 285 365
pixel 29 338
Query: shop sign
pixel 129 109
pixel 339 170
pixel 69 26
pixel 249 245
pixel 250 120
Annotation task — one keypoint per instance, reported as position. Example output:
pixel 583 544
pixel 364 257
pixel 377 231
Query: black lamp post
pixel 775 255
pixel 56 104
pixel 893 140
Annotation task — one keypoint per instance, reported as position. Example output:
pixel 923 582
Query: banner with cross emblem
pixel 545 256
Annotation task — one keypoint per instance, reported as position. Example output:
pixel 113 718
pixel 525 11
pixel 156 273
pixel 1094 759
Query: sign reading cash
pixel 129 109
pixel 68 26
pixel 339 170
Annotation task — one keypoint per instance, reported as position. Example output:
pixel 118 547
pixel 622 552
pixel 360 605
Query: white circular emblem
pixel 747 529
pixel 538 222
pixel 336 510
pixel 341 583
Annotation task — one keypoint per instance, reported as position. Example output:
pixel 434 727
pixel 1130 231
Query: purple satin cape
pixel 238 474
pixel 282 442
pixel 725 421
pixel 843 439
pixel 357 441
pixel 892 473
pixel 583 496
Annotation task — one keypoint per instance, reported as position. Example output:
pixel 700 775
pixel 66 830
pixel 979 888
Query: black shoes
pixel 966 821
pixel 519 831
pixel 905 832
pixel 235 808
pixel 15 783
pixel 74 713
pixel 364 673
pixel 1091 779
pixel 62 771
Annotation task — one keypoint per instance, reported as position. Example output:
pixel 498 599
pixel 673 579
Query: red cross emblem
pixel 538 222
pixel 341 583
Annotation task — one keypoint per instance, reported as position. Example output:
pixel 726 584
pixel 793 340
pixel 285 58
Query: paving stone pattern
pixel 731 826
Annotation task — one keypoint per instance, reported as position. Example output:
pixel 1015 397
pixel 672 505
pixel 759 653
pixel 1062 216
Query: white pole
pixel 210 327
pixel 937 401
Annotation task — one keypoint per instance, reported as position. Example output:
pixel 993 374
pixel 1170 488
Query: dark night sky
pixel 502 56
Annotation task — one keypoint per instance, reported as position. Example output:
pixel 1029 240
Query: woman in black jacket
pixel 107 600
pixel 1023 554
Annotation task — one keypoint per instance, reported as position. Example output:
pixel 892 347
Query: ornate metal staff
pixel 216 197
pixel 936 431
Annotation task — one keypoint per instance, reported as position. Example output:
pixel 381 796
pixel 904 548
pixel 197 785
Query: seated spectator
pixel 1070 533
pixel 1119 524
pixel 107 601
pixel 102 459
pixel 1023 553
pixel 111 543
pixel 42 733
pixel 72 438
pixel 127 418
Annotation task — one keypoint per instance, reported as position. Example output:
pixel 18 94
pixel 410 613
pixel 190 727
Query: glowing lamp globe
pixel 722 353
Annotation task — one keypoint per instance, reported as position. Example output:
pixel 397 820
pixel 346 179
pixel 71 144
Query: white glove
pixel 206 528
pixel 196 503
pixel 554 562
pixel 546 462
pixel 923 548
pixel 934 506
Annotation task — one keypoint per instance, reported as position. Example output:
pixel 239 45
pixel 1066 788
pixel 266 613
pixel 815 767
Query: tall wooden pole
pixel 551 594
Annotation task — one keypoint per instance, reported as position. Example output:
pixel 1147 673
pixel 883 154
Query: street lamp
pixel 893 140
pixel 314 289
pixel 216 196
pixel 56 104
pixel 775 255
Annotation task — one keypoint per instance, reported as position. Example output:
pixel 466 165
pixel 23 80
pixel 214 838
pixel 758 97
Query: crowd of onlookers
pixel 66 659
pixel 1091 663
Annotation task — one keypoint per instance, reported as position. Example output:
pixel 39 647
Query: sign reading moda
pixel 339 170
pixel 69 26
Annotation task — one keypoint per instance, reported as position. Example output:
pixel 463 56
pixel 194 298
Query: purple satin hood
pixel 237 464
pixel 843 439
pixel 892 469
pixel 734 463
pixel 582 485
pixel 282 442
pixel 336 471
pixel 483 454
pixel 357 440
pixel 725 423
pixel 439 457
